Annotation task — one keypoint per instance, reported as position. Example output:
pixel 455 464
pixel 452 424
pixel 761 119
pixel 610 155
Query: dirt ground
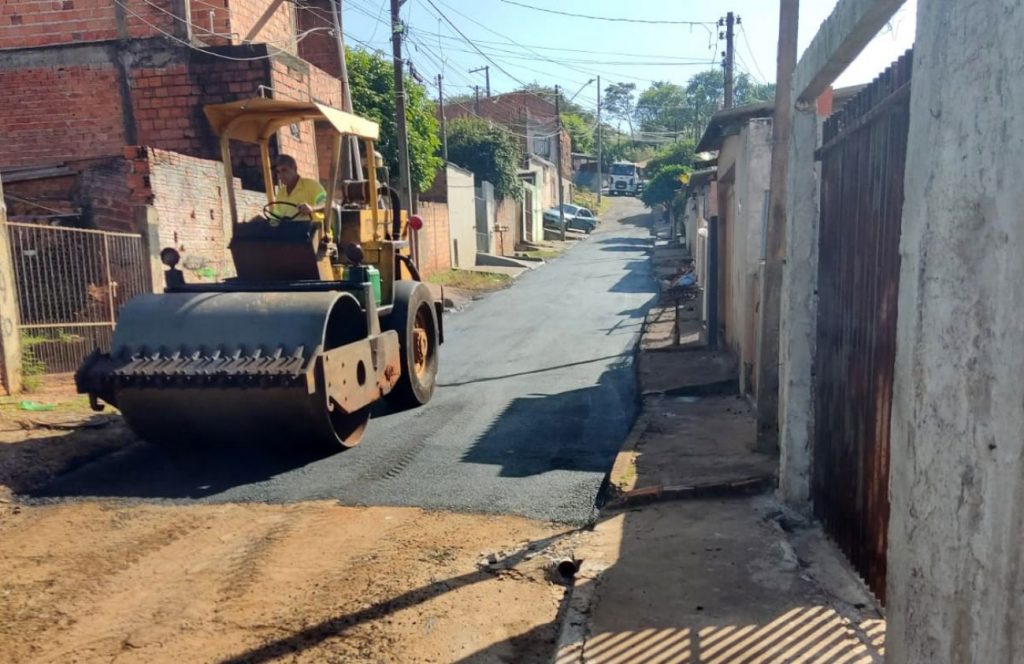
pixel 310 582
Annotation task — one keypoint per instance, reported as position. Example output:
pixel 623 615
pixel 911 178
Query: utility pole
pixel 486 69
pixel 775 242
pixel 444 118
pixel 558 162
pixel 730 19
pixel 476 92
pixel 600 179
pixel 351 167
pixel 405 176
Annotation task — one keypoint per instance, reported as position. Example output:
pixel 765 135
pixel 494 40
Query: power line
pixel 188 44
pixel 703 24
pixel 512 42
pixel 470 42
pixel 289 42
pixel 576 50
pixel 750 51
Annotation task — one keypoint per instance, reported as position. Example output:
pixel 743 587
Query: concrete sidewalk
pixel 693 559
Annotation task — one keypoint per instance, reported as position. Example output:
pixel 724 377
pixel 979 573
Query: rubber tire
pixel 411 390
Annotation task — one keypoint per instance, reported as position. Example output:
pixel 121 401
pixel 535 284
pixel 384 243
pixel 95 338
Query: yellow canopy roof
pixel 255 120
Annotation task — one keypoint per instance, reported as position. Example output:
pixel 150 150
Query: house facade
pixel 742 137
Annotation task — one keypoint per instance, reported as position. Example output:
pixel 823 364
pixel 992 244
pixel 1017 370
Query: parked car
pixel 576 218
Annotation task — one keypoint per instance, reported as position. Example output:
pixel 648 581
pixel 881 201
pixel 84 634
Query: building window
pixel 542 146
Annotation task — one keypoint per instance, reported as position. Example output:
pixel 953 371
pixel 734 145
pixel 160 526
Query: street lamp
pixel 581 89
pixel 599 178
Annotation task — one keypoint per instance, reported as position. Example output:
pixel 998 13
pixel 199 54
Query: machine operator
pixel 305 193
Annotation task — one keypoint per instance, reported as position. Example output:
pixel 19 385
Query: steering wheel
pixel 274 218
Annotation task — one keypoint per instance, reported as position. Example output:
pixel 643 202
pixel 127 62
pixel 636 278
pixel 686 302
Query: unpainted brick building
pixel 85 78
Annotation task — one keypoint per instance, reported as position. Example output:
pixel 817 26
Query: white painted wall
pixel 956 537
pixel 748 154
pixel 461 216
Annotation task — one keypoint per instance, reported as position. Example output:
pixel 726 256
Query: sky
pixel 526 45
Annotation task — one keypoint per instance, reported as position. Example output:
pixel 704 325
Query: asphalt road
pixel 536 394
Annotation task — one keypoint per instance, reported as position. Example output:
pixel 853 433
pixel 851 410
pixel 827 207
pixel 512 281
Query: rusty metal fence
pixel 70 284
pixel 862 157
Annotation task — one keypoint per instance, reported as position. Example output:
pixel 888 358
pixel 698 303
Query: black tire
pixel 414 308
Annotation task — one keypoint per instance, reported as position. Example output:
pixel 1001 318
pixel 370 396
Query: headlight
pixel 170 257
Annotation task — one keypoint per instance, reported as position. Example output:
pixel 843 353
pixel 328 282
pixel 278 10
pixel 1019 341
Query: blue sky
pixel 528 45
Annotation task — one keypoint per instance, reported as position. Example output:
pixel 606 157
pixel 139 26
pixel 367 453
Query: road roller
pixel 321 320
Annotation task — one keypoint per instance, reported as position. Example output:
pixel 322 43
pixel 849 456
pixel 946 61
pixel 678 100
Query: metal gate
pixel 70 284
pixel 862 164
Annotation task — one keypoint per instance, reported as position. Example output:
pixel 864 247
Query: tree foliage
pixel 372 80
pixel 662 107
pixel 579 131
pixel 680 153
pixel 490 152
pixel 663 185
pixel 618 101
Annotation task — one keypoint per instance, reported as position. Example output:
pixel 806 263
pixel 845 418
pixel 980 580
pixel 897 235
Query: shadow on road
pixel 577 430
pixel 142 470
pixel 530 372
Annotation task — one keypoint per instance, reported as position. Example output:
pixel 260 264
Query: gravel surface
pixel 537 392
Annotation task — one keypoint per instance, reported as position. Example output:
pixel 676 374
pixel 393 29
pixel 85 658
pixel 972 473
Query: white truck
pixel 625 179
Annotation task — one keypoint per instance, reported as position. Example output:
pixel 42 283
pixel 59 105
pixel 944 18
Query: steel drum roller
pixel 210 369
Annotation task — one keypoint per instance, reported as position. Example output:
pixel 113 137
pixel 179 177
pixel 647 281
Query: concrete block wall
pixel 508 227
pixel 956 534
pixel 434 239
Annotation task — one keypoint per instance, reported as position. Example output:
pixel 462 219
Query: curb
pixel 747 486
pixel 720 388
pixel 572 637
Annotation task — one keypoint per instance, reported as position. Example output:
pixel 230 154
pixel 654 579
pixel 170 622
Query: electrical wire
pixel 291 43
pixel 200 49
pixel 750 52
pixel 471 43
pixel 615 19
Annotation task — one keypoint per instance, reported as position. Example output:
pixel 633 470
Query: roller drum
pixel 216 369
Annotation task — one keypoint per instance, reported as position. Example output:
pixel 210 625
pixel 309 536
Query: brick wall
pixel 167 85
pixel 279 30
pixel 191 211
pixel 30 23
pixel 102 193
pixel 434 239
pixel 55 193
pixel 320 47
pixel 53 113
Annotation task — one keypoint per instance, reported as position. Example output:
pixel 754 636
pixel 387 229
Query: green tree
pixel 663 107
pixel 705 94
pixel 663 185
pixel 618 101
pixel 373 96
pixel 680 153
pixel 579 131
pixel 489 151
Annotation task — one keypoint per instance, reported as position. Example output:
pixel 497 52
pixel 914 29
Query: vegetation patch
pixel 471 280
